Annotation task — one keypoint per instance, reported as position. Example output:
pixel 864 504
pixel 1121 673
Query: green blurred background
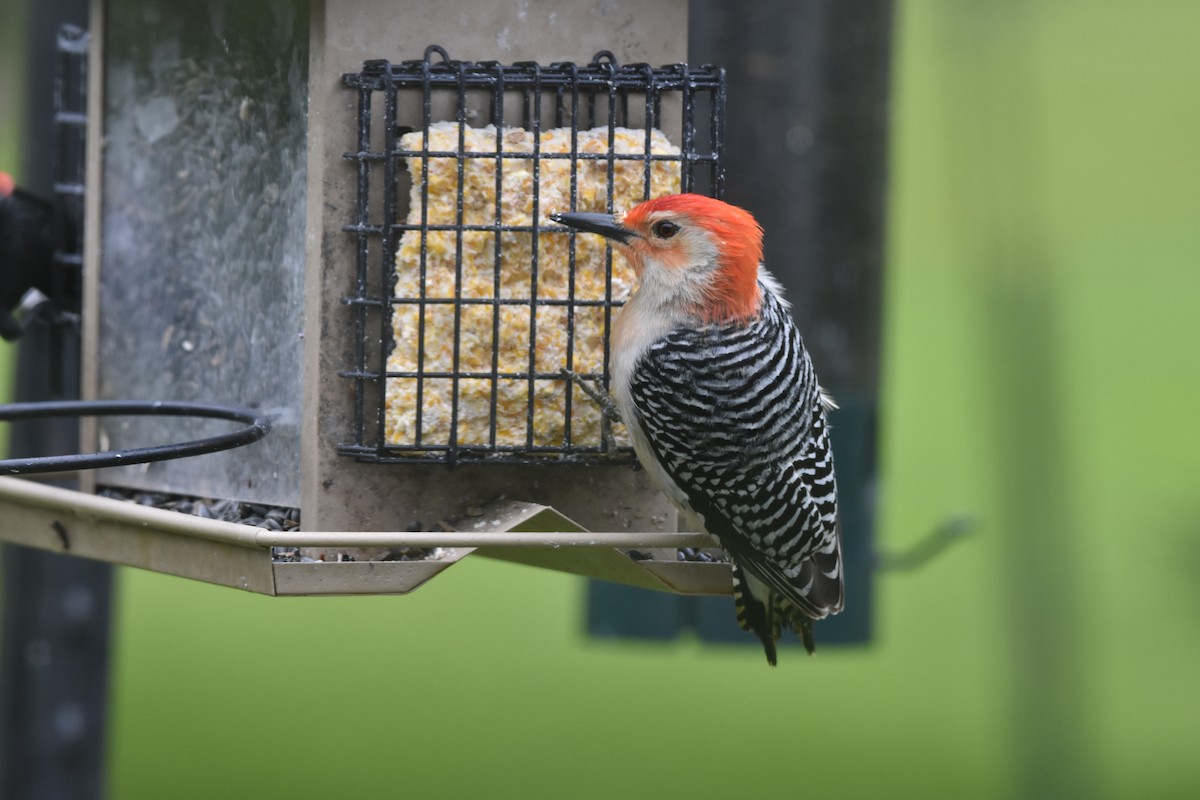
pixel 1040 373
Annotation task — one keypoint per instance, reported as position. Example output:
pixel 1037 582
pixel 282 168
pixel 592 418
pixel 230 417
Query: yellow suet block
pixel 523 335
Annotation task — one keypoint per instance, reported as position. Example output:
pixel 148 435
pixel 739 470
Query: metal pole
pixel 54 639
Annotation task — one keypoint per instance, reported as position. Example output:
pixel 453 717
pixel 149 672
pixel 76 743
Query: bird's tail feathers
pixel 755 616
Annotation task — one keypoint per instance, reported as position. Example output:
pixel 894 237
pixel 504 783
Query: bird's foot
pixel 597 393
pixel 608 407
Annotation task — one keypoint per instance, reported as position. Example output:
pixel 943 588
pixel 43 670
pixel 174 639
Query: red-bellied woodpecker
pixel 26 250
pixel 712 379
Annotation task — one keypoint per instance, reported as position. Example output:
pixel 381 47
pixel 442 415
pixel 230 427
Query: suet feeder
pixel 335 214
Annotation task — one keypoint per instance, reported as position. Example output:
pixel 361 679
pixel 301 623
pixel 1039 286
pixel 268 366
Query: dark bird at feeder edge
pixel 26 250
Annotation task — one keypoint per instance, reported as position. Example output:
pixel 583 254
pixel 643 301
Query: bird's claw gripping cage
pixel 469 306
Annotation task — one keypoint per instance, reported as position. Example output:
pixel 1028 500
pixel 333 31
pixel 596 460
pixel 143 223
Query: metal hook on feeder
pixel 436 48
pixel 953 529
pixel 604 56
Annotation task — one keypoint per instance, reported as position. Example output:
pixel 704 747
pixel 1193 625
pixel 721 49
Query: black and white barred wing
pixel 734 415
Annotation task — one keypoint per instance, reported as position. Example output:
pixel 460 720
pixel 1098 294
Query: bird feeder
pixel 336 214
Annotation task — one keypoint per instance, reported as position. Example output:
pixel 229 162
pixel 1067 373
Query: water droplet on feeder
pixel 799 138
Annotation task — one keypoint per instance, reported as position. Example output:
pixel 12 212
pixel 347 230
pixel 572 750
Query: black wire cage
pixel 470 308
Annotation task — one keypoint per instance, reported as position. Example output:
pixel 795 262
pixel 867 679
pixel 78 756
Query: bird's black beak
pixel 603 224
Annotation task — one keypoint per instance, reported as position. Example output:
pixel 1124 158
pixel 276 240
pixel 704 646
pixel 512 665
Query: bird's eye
pixel 665 229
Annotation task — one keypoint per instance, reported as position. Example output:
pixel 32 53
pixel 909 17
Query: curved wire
pixel 256 428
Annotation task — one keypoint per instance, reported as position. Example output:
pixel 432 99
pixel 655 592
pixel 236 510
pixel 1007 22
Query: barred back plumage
pixel 733 413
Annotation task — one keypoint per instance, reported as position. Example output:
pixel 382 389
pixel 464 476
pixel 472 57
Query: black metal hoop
pixel 256 428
